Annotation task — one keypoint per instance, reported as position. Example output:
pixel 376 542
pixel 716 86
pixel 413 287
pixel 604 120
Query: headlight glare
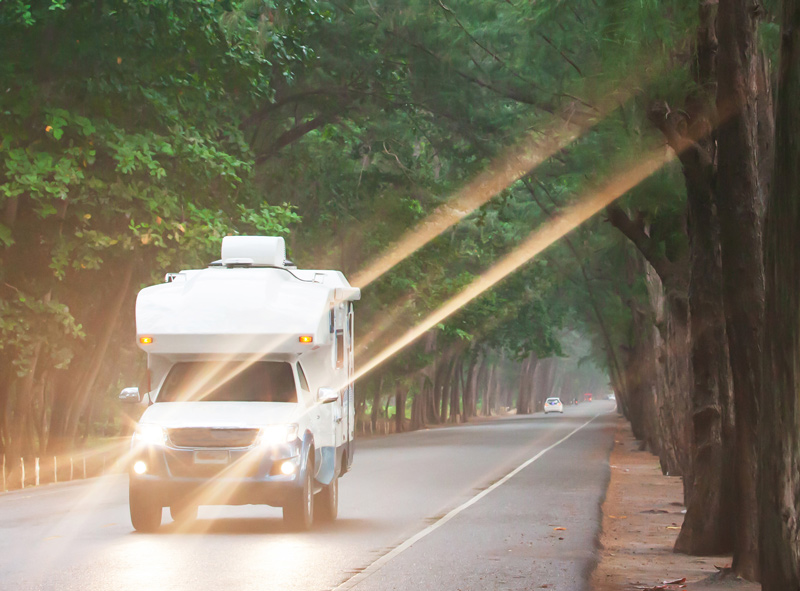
pixel 147 434
pixel 277 434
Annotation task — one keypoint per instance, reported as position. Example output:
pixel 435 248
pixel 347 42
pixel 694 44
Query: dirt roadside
pixel 642 514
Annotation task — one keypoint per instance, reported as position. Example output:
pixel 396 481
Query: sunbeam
pixel 510 167
pixel 539 240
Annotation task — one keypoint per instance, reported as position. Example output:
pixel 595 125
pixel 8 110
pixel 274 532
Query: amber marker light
pixel 146 340
pixel 306 339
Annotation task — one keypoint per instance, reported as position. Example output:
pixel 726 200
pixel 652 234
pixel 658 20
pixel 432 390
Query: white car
pixel 553 405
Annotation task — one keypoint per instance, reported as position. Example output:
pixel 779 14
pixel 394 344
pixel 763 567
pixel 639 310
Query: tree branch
pixel 270 108
pixel 294 134
pixel 634 231
pixel 685 137
pixel 562 54
pixel 509 93
pixel 494 56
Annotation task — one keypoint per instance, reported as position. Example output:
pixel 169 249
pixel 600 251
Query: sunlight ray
pixel 516 162
pixel 590 204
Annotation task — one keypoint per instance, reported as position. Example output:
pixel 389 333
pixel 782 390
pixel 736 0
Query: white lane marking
pixel 378 564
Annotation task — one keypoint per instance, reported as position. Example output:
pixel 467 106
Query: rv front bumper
pixel 256 475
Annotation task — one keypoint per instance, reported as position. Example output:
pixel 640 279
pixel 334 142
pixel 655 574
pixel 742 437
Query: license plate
pixel 211 457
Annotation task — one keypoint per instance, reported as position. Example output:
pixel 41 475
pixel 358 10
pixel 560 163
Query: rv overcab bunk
pixel 250 398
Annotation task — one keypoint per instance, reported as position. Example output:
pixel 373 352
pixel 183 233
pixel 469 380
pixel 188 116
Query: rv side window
pixel 303 381
pixel 229 381
pixel 339 349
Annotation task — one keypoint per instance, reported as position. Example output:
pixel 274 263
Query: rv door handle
pixel 338 419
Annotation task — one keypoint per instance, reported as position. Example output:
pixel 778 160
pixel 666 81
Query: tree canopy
pixel 135 135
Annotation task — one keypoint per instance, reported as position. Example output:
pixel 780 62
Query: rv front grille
pixel 210 437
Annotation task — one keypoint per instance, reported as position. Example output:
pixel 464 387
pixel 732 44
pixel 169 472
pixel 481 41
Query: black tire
pixel 326 503
pixel 145 510
pixel 183 512
pixel 298 512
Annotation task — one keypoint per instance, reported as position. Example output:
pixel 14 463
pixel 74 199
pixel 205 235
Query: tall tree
pixel 707 528
pixel 739 203
pixel 779 460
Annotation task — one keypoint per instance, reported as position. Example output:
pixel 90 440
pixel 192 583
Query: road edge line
pixel 375 566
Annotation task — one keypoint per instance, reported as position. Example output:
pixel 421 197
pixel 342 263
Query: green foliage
pixel 30 326
pixel 140 133
pixel 120 141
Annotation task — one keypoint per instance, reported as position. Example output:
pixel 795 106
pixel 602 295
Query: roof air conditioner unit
pixel 253 250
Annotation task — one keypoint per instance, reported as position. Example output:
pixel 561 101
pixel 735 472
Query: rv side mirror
pixel 130 395
pixel 326 395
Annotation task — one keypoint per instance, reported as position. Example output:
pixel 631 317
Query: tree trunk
pixel 400 405
pixel 469 379
pixel 690 132
pixel 421 404
pixel 376 404
pixel 486 388
pixel 444 388
pixel 17 445
pixel 667 287
pixel 452 383
pixel 440 374
pixel 5 411
pixel 779 492
pixel 457 390
pixel 84 388
pixel 480 386
pixel 525 385
pixel 646 385
pixel 59 410
pixel 707 527
pixel 739 206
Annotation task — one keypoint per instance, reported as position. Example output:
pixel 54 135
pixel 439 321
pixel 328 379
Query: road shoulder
pixel 642 515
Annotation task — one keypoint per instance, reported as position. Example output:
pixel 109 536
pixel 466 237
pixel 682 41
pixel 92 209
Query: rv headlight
pixel 275 434
pixel 147 434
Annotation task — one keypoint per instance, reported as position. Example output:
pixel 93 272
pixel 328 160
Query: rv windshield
pixel 218 381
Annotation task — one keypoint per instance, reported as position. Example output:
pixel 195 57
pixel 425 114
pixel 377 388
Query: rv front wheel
pixel 145 510
pixel 326 504
pixel 298 512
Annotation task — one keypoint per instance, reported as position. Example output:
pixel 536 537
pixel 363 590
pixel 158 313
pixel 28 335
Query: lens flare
pixel 510 167
pixel 539 240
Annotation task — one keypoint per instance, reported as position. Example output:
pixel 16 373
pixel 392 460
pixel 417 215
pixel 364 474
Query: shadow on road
pixel 259 526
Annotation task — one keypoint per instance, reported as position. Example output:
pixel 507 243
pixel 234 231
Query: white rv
pixel 250 399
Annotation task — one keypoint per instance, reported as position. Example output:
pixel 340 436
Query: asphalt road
pixel 465 508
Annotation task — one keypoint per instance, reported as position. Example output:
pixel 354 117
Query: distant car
pixel 611 397
pixel 587 397
pixel 553 405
